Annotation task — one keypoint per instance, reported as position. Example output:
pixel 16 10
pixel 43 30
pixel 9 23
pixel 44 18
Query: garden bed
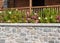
pixel 37 15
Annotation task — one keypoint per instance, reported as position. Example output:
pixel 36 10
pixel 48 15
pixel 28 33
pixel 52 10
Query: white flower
pixel 0 11
pixel 32 10
pixel 16 9
pixel 10 12
pixel 8 21
pixel 45 17
pixel 27 12
pixel 39 17
pixel 35 13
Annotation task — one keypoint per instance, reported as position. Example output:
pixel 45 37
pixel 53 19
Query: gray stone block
pixel 2 41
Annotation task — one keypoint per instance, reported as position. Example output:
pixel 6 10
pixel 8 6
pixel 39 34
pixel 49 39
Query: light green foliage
pixel 46 15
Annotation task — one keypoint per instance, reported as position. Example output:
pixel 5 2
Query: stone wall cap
pixel 30 24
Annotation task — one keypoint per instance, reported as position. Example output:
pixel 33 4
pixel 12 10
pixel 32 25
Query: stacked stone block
pixel 29 34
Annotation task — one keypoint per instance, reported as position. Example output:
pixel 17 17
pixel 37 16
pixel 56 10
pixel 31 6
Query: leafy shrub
pixel 47 15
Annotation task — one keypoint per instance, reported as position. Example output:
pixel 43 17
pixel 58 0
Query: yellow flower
pixel 46 18
pixel 9 21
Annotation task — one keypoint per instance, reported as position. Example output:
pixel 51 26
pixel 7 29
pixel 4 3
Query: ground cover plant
pixel 47 15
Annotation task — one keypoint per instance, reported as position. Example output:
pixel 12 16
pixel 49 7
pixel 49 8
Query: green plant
pixel 13 16
pixel 48 15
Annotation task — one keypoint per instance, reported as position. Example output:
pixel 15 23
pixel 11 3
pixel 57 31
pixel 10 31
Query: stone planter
pixel 29 33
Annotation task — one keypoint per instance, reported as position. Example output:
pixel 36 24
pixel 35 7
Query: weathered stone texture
pixel 29 35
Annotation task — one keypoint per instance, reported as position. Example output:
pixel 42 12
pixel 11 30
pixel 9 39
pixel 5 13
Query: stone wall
pixel 29 34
